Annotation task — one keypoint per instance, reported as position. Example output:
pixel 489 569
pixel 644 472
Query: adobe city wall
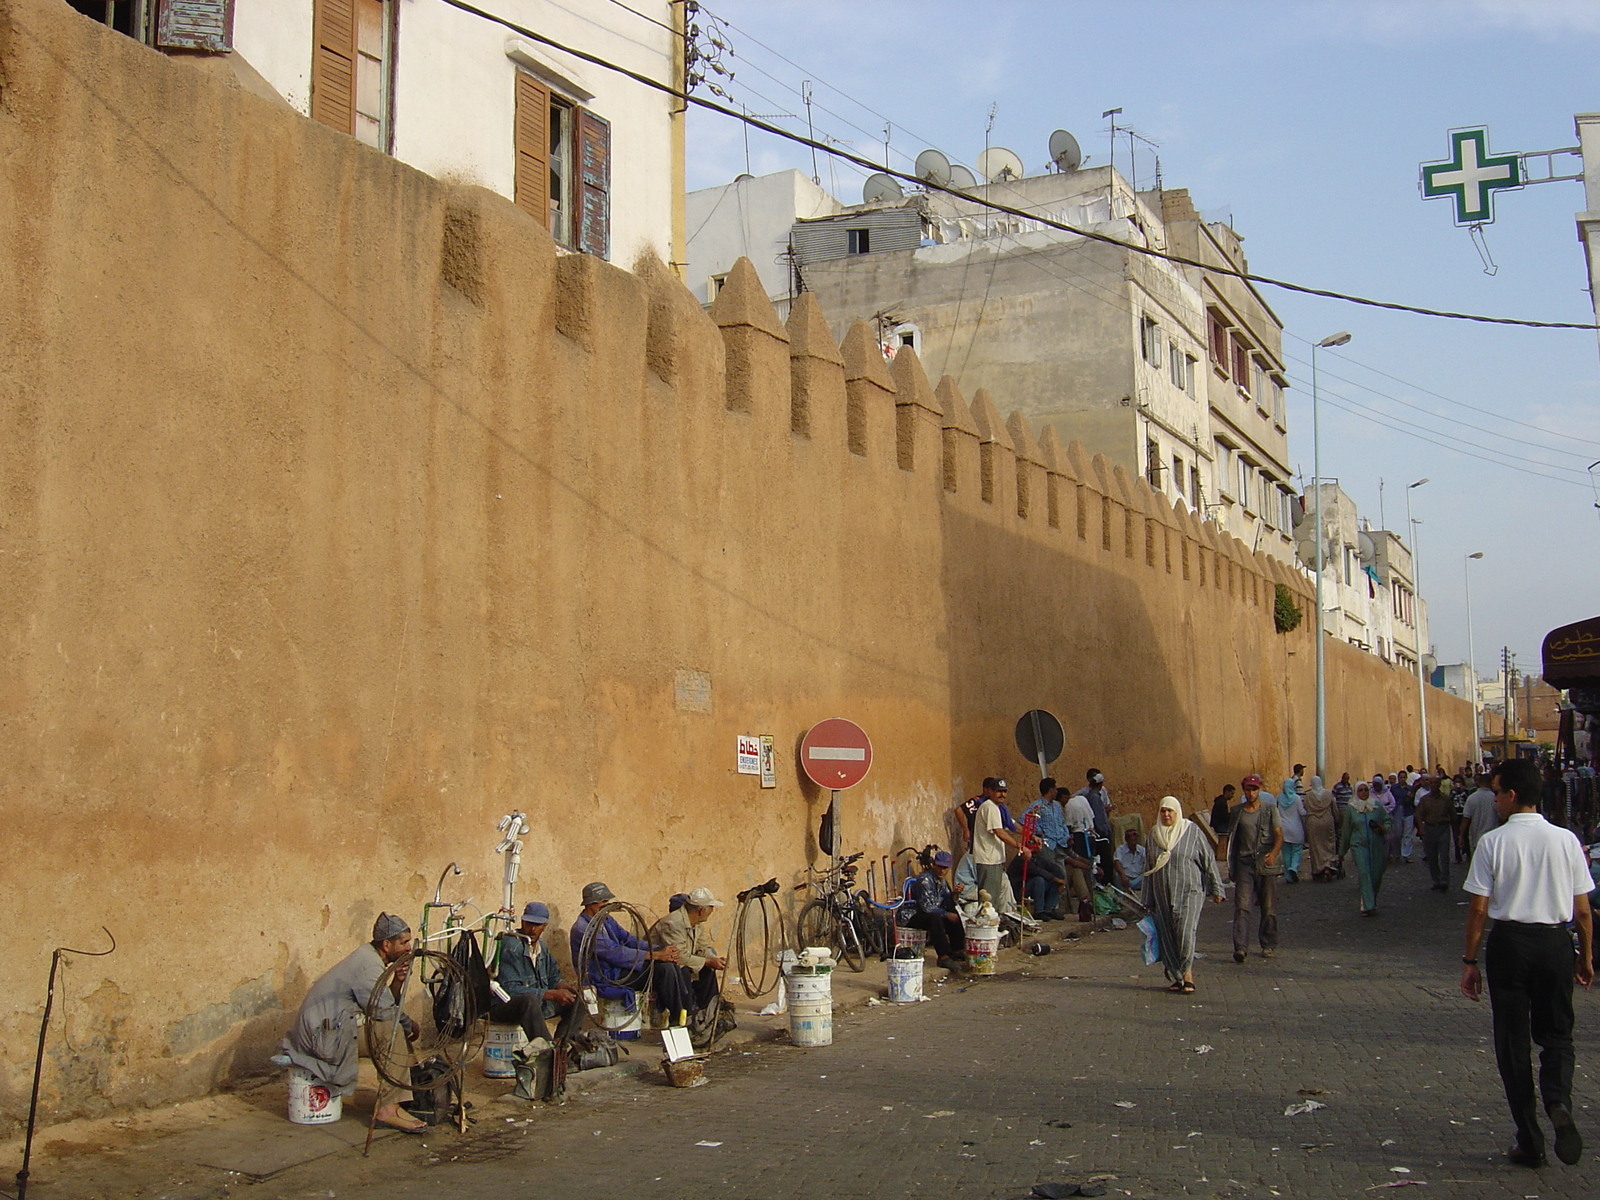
pixel 342 516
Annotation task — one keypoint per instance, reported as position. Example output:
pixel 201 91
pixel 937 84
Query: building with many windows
pixel 1089 333
pixel 596 156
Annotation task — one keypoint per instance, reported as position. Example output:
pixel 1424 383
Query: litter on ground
pixel 1304 1106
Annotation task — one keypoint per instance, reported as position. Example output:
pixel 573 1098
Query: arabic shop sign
pixel 1572 655
pixel 1471 176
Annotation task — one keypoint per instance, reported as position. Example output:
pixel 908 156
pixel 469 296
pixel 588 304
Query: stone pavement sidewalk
pixel 1001 1084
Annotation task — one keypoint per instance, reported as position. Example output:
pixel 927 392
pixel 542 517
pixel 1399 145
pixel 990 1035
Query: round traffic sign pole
pixel 836 754
pixel 1040 737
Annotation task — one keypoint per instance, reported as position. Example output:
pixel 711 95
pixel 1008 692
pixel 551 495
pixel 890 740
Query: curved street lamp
pixel 1341 338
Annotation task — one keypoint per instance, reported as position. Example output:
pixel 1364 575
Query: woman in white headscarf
pixel 1365 837
pixel 1183 872
pixel 1322 831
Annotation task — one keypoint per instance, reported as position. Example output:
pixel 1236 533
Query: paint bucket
pixel 907 937
pixel 499 1045
pixel 811 1006
pixel 619 1020
pixel 983 944
pixel 310 1102
pixel 905 980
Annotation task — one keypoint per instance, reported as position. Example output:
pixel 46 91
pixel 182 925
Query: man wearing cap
pixel 527 972
pixel 619 958
pixel 936 913
pixel 322 1039
pixel 691 985
pixel 1099 798
pixel 990 837
pixel 1254 864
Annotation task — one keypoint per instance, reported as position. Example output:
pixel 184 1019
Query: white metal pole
pixel 1472 665
pixel 1336 339
pixel 1316 482
pixel 1416 583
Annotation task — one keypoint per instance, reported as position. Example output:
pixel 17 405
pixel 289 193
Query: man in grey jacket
pixel 1254 863
pixel 322 1039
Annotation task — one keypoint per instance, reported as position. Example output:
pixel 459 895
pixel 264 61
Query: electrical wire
pixel 648 17
pixel 1438 416
pixel 869 165
pixel 1488 412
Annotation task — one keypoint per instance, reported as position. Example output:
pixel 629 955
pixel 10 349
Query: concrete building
pixel 593 154
pixel 1106 343
pixel 1369 589
pixel 750 218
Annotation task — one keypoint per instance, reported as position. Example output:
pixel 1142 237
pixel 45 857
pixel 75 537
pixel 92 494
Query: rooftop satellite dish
pixel 933 167
pixel 1366 549
pixel 962 179
pixel 998 165
pixel 1065 151
pixel 881 188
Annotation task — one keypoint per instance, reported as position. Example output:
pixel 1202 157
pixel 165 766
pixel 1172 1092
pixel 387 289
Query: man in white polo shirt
pixel 1530 877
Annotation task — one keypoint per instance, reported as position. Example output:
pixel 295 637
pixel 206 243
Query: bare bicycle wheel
pixel 818 925
pixel 758 940
pixel 430 990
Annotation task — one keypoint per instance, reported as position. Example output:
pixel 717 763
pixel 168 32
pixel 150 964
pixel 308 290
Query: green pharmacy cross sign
pixel 1471 176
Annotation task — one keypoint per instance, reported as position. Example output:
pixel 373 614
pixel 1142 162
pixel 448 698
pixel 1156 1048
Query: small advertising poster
pixel 749 754
pixel 769 766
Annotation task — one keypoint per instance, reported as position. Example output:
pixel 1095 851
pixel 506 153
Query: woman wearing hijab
pixel 1366 838
pixel 1383 795
pixel 1183 874
pixel 1291 815
pixel 1322 831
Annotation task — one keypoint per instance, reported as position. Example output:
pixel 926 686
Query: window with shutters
pixel 352 68
pixel 1152 462
pixel 1150 341
pixel 205 25
pixel 563 168
pixel 1220 352
pixel 1177 474
pixel 1241 367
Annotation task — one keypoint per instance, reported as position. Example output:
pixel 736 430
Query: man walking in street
pixel 1254 864
pixel 1436 822
pixel 1479 816
pixel 1531 878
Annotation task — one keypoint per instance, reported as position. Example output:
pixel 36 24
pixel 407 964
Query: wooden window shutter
pixel 333 64
pixel 532 137
pixel 195 25
pixel 593 206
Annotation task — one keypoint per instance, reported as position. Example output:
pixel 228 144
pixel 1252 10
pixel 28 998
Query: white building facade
pixel 595 156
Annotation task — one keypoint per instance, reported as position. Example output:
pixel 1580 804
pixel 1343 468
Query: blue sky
pixel 1305 122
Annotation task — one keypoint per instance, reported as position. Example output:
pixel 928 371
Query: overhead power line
pixel 869 165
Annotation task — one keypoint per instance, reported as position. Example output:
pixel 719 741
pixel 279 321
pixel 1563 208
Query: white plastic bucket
pixel 622 1022
pixel 811 1007
pixel 905 980
pixel 499 1045
pixel 310 1102
pixel 983 944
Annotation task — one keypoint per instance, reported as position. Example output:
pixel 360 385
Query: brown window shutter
pixel 333 64
pixel 532 137
pixel 593 206
pixel 195 25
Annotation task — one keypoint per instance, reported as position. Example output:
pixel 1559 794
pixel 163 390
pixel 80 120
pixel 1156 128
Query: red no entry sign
pixel 836 754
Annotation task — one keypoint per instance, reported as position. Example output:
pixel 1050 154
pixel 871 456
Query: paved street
pixel 963 1096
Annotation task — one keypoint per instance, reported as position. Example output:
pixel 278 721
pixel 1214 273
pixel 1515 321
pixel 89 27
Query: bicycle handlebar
pixel 769 888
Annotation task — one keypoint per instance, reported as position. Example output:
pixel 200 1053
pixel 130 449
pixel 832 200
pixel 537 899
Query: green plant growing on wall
pixel 1286 613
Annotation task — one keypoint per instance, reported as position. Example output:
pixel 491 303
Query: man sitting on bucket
pixel 529 975
pixel 618 959
pixel 690 985
pixel 323 1037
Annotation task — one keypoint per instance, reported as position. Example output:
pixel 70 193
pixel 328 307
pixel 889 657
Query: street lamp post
pixel 1472 666
pixel 1327 343
pixel 1416 584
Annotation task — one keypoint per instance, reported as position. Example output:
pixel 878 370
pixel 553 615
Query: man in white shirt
pixel 990 837
pixel 1132 860
pixel 1531 878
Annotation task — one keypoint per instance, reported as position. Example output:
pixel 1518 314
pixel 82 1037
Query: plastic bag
pixel 1152 941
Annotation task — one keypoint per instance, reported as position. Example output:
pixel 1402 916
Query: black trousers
pixel 678 989
pixel 1530 989
pixel 1436 841
pixel 527 1010
pixel 948 938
